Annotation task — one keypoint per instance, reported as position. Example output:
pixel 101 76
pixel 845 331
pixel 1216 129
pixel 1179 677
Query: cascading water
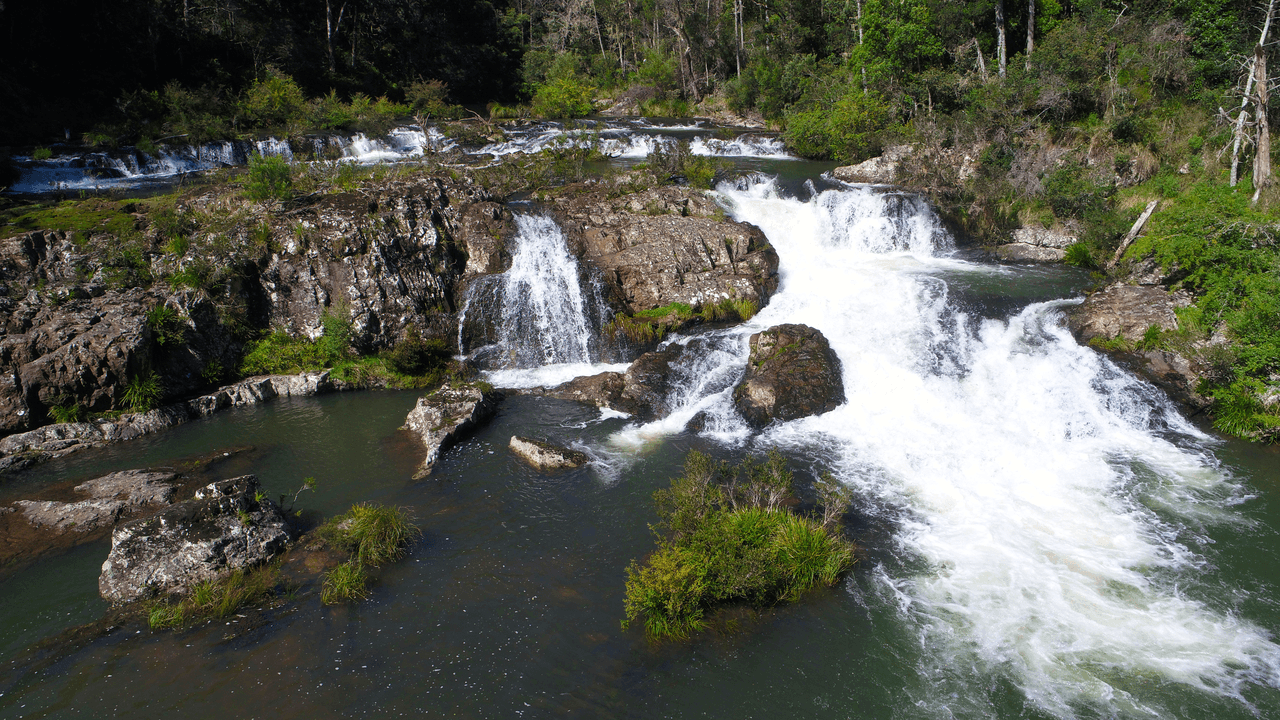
pixel 545 327
pixel 1046 502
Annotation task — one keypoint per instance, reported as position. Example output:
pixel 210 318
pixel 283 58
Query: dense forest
pixel 834 72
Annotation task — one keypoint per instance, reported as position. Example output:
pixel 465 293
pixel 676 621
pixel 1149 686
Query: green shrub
pixel 67 412
pixel 275 101
pixel 270 178
pixel 165 324
pixel 1072 194
pixel 373 534
pixel 416 356
pixel 725 536
pixel 846 130
pixel 563 98
pixel 41 153
pixel 431 98
pixel 143 392
pixel 1079 255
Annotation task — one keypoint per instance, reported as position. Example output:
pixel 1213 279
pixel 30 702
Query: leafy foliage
pixel 725 536
pixel 270 178
pixel 143 392
pixel 563 98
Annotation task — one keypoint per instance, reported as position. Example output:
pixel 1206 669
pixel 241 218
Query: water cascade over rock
pixel 1005 454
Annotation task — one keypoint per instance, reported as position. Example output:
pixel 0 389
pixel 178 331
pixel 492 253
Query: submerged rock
pixel 109 498
pixel 792 372
pixel 443 417
pixel 544 455
pixel 227 525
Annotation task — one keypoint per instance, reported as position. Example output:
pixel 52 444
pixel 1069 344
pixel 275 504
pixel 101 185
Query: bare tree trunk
pixel 331 28
pixel 1001 48
pixel 1244 102
pixel 1262 150
pixel 864 67
pixel 982 63
pixel 1031 29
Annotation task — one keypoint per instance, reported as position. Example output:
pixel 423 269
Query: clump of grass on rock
pixel 373 535
pixel 725 535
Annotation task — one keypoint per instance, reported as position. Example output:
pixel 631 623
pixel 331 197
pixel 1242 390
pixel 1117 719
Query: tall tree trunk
pixel 1001 49
pixel 331 28
pixel 1031 29
pixel 1262 150
pixel 982 64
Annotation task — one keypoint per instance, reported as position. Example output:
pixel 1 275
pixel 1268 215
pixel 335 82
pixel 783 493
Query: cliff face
pixel 85 317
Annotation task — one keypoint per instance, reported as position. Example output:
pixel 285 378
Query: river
pixel 1044 534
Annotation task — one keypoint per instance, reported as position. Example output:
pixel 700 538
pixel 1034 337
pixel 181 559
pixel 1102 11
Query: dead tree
pixel 1243 116
pixel 1262 148
pixel 1001 45
pixel 1031 29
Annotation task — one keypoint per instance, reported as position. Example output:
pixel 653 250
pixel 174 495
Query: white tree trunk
pixel 1244 102
pixel 1001 50
pixel 1262 149
pixel 1031 29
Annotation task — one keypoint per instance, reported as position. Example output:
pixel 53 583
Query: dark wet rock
pixel 647 383
pixel 667 245
pixel 109 498
pixel 603 390
pixel 23 450
pixel 226 526
pixel 1125 311
pixel 445 416
pixel 544 455
pixel 792 372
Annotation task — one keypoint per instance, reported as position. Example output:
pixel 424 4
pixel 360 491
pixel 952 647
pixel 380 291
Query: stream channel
pixel 1044 534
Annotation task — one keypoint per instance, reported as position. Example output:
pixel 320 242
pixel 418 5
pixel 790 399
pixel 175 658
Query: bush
pixel 415 356
pixel 270 178
pixel 845 131
pixel 563 98
pixel 143 392
pixel 724 536
pixel 430 98
pixel 275 101
pixel 373 535
pixel 1072 194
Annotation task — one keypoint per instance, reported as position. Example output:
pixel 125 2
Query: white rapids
pixel 1008 458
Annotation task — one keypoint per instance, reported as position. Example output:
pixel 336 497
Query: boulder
pixel 603 390
pixel 881 170
pixel 445 416
pixel 1041 237
pixel 792 372
pixel 667 245
pixel 109 498
pixel 1022 252
pixel 544 455
pixel 228 525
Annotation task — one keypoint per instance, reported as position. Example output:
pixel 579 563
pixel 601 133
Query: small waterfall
pixel 536 314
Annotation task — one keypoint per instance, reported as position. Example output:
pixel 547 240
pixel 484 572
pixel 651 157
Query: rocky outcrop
pixel 792 372
pixel 396 255
pixel 1035 245
pixel 85 314
pixel 1125 311
pixel 226 526
pixel 108 499
pixel 882 170
pixel 544 455
pixel 51 441
pixel 447 415
pixel 667 245
pixel 643 391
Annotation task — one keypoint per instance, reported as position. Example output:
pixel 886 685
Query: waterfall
pixel 544 324
pixel 1048 504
